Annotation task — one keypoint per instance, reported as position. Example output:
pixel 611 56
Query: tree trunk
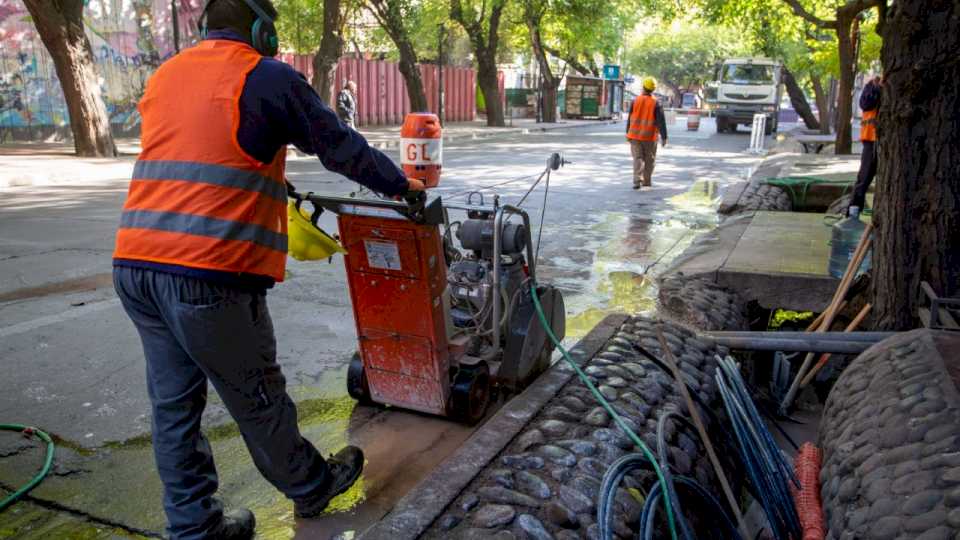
pixel 490 86
pixel 60 25
pixel 485 43
pixel 823 104
pixel 533 16
pixel 848 71
pixel 918 185
pixel 330 50
pixel 799 100
pixel 411 75
pixel 390 17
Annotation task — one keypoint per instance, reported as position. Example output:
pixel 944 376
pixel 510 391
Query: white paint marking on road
pixel 40 322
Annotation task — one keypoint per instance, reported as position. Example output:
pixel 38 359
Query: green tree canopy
pixel 681 54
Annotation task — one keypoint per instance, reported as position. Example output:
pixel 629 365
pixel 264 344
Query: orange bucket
pixel 421 148
pixel 693 120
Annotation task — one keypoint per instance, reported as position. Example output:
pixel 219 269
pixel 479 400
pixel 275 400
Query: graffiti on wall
pixel 129 38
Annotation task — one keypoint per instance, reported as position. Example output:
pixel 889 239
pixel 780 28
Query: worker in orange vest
pixel 644 123
pixel 870 104
pixel 203 235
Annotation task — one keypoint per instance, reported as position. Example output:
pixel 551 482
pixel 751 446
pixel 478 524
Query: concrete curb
pixel 416 511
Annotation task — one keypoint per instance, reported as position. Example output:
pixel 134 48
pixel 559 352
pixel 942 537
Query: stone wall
pixel 891 441
pixel 701 304
pixel 546 481
pixel 752 196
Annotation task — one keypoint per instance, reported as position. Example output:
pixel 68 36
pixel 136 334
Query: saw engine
pixel 490 273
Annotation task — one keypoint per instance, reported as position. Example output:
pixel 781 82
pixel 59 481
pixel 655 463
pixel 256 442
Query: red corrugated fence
pixel 382 92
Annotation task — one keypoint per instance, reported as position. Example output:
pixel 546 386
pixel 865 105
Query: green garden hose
pixel 606 405
pixel 28 431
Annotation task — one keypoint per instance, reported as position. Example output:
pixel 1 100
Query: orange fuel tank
pixel 421 148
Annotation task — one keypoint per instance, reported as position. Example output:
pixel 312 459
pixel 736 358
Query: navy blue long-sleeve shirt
pixel 278 107
pixel 870 96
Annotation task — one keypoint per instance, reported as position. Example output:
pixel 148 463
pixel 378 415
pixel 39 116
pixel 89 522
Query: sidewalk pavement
pixel 53 163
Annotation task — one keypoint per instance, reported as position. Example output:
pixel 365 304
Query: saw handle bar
pixel 414 205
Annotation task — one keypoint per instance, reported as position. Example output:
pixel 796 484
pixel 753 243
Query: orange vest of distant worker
pixel 868 127
pixel 197 199
pixel 643 122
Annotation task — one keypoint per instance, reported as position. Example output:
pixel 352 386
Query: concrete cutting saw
pixel 443 309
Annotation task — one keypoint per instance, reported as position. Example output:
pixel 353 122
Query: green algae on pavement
pixel 28 521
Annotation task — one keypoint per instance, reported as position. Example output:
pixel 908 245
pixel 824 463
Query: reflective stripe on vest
pixel 643 124
pixel 868 127
pixel 197 199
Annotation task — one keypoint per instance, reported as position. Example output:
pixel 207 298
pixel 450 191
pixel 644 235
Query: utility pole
pixel 440 73
pixel 176 25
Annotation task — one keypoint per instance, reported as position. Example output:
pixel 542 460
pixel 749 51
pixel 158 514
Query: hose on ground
pixel 606 405
pixel 28 431
pixel 766 467
pixel 665 465
pixel 648 517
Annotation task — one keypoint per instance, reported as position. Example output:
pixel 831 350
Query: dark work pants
pixel 194 331
pixel 644 158
pixel 868 169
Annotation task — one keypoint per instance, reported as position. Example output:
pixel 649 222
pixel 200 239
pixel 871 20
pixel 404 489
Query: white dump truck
pixel 744 87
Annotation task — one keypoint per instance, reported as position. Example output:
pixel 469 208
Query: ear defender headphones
pixel 263 33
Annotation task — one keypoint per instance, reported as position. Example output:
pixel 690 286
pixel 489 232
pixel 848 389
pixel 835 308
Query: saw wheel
pixel 470 393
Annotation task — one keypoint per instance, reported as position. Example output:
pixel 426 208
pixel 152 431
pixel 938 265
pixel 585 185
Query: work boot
pixel 343 469
pixel 236 524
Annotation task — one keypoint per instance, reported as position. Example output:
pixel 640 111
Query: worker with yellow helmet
pixel 644 123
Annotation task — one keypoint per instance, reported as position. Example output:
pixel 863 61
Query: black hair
pixel 236 14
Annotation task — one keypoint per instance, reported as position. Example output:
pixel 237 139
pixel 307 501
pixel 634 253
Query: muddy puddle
pixel 615 262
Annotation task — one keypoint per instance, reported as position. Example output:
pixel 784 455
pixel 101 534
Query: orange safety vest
pixel 868 127
pixel 197 199
pixel 643 123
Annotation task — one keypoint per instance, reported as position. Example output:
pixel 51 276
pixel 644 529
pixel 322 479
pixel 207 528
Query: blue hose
pixel 648 517
pixel 767 468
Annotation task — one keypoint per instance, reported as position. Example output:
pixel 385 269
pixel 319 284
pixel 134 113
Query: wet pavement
pixel 74 365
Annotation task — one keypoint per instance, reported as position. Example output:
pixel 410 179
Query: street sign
pixel 611 71
pixel 629 79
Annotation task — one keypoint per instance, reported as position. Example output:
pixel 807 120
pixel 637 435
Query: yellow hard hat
pixel 649 84
pixel 305 240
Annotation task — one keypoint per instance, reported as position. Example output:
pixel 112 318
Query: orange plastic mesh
pixel 807 498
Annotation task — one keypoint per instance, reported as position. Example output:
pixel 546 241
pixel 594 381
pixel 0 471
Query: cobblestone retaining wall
pixel 752 196
pixel 700 303
pixel 891 441
pixel 544 485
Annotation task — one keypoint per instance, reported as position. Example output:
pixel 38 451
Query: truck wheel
pixel 470 394
pixel 721 124
pixel 732 127
pixel 769 128
pixel 357 385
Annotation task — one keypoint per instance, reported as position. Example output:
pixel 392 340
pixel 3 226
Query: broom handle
pixel 832 309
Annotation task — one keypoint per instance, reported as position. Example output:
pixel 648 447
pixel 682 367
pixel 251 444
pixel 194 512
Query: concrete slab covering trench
pixel 778 259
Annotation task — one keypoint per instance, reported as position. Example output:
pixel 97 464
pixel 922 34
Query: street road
pixel 73 365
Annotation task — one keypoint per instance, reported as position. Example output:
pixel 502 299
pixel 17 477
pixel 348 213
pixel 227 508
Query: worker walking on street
pixel 870 104
pixel 645 122
pixel 347 104
pixel 203 235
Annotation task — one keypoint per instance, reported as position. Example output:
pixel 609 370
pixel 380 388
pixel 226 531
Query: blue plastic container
pixel 845 237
